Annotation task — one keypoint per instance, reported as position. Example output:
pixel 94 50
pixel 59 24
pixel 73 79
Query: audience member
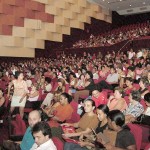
pixel 20 92
pixel 42 135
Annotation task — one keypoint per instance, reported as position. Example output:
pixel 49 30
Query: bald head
pixel 34 117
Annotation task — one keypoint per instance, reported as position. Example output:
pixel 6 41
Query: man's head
pixel 41 132
pixel 34 117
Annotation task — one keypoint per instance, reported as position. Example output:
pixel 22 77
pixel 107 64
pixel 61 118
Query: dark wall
pixel 121 20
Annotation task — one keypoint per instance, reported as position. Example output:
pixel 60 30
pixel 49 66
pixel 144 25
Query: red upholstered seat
pixel 137 132
pixel 58 143
pixel 75 116
pixel 19 126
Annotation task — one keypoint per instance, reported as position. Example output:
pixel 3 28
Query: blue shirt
pixel 27 141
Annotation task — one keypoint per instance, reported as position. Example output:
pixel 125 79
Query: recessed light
pixel 130 5
pixel 108 2
pixel 144 3
pixel 120 0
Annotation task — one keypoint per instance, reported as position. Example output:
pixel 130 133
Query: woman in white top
pixel 20 92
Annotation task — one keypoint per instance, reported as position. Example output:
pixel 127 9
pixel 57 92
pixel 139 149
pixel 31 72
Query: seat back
pixel 75 116
pixel 58 143
pixel 19 126
pixel 137 132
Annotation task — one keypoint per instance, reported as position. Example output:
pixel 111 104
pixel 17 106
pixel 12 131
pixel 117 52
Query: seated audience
pixel 89 86
pixel 49 97
pixel 86 139
pixel 42 135
pixel 85 125
pixel 124 139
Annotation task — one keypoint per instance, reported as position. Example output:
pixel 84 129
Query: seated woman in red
pixel 62 112
pixel 129 84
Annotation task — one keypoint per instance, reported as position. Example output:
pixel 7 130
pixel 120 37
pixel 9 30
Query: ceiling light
pixel 108 2
pixel 144 3
pixel 130 5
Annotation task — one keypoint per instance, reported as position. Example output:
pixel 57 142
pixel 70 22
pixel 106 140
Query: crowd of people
pixel 111 92
pixel 115 36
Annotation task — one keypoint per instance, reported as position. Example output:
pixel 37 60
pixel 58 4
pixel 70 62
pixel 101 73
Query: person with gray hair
pixel 134 109
pixel 28 140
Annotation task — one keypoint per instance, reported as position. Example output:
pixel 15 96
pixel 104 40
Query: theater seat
pixel 137 132
pixel 75 116
pixel 58 143
pixel 18 126
pixel 147 147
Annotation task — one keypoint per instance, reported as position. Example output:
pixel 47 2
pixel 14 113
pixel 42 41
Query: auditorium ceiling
pixel 125 7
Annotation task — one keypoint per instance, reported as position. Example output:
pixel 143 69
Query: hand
pixel 67 135
pixel 108 146
pixel 82 144
pixel 8 95
pixel 21 100
pixel 81 138
pixel 66 124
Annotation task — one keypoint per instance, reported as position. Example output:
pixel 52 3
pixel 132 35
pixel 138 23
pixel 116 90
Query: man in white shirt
pixel 113 77
pixel 42 135
pixel 95 74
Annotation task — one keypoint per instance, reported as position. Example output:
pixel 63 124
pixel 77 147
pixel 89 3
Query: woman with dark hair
pixel 102 111
pixel 129 86
pixel 131 72
pixel 62 112
pixel 134 109
pixel 124 139
pixel 89 86
pixel 20 92
pixel 73 80
pixel 85 125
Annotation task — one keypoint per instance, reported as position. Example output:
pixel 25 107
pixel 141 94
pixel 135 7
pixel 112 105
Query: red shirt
pixel 102 99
